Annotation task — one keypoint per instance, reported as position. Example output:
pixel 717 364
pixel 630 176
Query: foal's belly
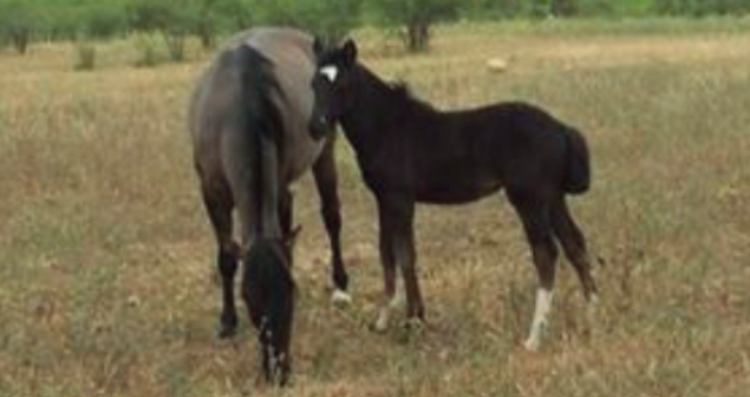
pixel 456 193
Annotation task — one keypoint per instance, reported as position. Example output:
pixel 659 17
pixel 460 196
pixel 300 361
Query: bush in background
pixel 24 21
pixel 412 19
pixel 19 21
pixel 331 19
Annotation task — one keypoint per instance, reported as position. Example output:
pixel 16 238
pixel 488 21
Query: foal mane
pixel 396 94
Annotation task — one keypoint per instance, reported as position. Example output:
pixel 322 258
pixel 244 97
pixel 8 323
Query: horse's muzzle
pixel 320 127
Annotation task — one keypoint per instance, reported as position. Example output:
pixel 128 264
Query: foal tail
pixel 578 173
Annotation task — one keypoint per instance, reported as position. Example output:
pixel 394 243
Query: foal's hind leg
pixel 219 205
pixel 324 171
pixel 535 216
pixel 574 245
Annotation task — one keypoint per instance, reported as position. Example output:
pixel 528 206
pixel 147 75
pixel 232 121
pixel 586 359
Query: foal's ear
pixel 349 50
pixel 318 46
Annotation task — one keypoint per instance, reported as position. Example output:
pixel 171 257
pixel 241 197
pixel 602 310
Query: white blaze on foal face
pixel 330 72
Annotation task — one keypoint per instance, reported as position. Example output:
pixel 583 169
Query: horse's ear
pixel 318 46
pixel 350 52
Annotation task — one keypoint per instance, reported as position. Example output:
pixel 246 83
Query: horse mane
pixel 397 93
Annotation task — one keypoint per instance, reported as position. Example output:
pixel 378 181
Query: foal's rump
pixel 578 176
pixel 540 150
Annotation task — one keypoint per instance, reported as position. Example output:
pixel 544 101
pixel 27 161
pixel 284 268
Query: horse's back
pixel 290 52
pixel 216 100
pixel 214 106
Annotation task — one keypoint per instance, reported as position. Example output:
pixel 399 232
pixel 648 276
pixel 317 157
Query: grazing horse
pixel 249 121
pixel 409 152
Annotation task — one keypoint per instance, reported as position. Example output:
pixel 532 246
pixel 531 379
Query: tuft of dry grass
pixel 106 256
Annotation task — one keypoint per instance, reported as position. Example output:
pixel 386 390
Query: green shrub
pixel 413 18
pixel 147 46
pixel 85 55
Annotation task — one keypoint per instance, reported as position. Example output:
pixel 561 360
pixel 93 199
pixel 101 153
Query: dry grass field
pixel 106 256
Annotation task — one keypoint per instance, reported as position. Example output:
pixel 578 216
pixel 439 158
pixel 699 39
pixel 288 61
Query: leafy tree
pixel 701 7
pixel 234 15
pixel 102 20
pixel 206 23
pixel 174 20
pixel 332 19
pixel 19 21
pixel 414 18
pixel 490 9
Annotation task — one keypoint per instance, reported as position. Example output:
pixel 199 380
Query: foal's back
pixel 460 156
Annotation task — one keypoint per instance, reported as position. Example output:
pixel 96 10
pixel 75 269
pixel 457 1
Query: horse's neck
pixel 378 113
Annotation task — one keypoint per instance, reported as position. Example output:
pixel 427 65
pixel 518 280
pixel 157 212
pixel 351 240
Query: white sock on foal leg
pixel 340 298
pixel 397 302
pixel 540 321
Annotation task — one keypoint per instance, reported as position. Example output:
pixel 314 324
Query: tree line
pixel 24 21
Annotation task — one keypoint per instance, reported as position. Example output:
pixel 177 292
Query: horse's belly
pixel 300 154
pixel 456 194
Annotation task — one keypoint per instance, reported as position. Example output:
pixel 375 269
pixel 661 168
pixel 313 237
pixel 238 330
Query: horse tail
pixel 578 170
pixel 259 122
pixel 266 279
pixel 267 286
pixel 269 291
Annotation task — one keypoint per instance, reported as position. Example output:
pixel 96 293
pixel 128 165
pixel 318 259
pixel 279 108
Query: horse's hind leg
pixel 535 216
pixel 324 171
pixel 574 246
pixel 286 211
pixel 219 205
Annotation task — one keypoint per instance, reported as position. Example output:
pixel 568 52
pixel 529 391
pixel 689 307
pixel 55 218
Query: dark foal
pixel 249 121
pixel 409 152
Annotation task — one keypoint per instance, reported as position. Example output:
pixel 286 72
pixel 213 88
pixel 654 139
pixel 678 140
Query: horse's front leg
pixel 396 217
pixel 406 259
pixel 326 181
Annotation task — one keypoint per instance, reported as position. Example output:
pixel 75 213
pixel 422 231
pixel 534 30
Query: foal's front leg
pixel 397 249
pixel 326 180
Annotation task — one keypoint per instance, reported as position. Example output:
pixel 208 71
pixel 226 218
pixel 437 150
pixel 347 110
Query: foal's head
pixel 269 292
pixel 332 83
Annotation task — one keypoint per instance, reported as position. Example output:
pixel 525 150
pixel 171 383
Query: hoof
pixel 226 331
pixel 531 345
pixel 381 324
pixel 341 298
pixel 414 324
pixel 378 327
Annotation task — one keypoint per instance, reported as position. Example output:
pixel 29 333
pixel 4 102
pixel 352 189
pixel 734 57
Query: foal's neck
pixel 380 109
